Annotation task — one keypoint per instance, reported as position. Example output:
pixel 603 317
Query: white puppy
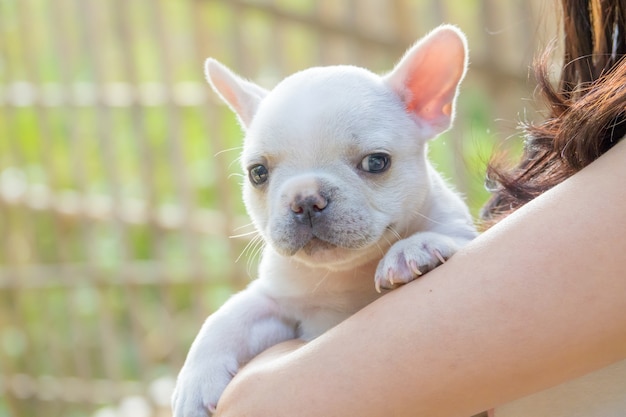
pixel 340 189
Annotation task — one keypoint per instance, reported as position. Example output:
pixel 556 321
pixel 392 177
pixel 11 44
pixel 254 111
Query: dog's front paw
pixel 412 257
pixel 199 388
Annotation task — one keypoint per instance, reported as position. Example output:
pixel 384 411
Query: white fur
pixel 327 222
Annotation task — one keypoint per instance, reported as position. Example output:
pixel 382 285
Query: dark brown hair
pixel 586 110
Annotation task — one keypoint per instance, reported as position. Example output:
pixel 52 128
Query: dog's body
pixel 340 189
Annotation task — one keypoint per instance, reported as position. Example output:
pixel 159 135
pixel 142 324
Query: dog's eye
pixel 375 163
pixel 258 174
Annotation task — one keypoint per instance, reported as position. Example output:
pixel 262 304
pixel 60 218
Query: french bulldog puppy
pixel 340 189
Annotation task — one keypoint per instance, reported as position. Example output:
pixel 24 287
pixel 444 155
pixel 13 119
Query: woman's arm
pixel 538 299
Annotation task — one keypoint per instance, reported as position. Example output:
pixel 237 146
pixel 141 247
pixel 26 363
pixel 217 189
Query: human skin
pixel 535 301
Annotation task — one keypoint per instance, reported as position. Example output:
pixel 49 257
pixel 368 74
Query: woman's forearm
pixel 535 301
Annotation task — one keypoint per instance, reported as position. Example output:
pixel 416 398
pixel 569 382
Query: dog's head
pixel 335 157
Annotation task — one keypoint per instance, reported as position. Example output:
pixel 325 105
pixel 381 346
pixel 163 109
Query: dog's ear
pixel 428 76
pixel 242 96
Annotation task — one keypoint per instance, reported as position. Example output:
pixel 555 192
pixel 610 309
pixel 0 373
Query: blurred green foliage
pixel 123 301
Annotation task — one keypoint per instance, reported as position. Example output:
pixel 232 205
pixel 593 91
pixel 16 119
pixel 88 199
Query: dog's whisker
pixel 251 244
pixel 427 218
pixel 321 281
pixel 236 148
pixel 244 251
pixel 242 234
pixel 244 225
pixel 257 245
pixel 256 254
pixel 235 174
pixel 395 232
pixel 250 259
pixel 236 161
pixel 382 252
pixel 256 249
pixel 389 243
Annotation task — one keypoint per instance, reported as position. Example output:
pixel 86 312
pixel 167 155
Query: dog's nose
pixel 307 209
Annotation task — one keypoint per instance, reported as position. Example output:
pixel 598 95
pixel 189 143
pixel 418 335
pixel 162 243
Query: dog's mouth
pixel 315 245
pixel 338 236
pixel 332 250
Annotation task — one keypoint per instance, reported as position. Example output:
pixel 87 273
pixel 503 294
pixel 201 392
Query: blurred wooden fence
pixel 117 194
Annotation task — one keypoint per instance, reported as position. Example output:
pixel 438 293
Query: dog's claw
pixel 438 256
pixel 414 268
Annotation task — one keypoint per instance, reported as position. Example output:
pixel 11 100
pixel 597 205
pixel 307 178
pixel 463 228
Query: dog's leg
pixel 248 323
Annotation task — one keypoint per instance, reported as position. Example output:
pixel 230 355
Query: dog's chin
pixel 317 246
pixel 319 253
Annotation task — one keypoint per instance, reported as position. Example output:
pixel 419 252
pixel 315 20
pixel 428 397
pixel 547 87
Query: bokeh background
pixel 121 226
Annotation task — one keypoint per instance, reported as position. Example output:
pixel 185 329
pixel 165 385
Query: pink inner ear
pixel 227 86
pixel 226 91
pixel 427 77
pixel 431 91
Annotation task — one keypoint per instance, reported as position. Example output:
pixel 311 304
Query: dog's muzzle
pixel 312 217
